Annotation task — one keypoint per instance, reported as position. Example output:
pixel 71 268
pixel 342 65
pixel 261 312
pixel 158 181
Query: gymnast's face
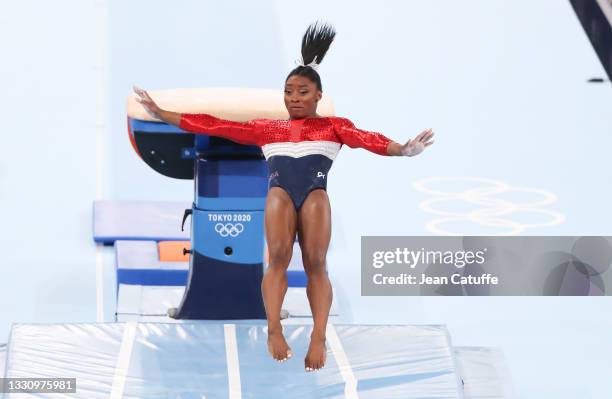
pixel 301 97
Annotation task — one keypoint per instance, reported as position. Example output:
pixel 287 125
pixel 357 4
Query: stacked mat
pixel 212 360
pixel 151 280
pixel 138 220
pixel 150 360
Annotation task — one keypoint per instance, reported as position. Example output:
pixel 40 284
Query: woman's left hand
pixel 418 144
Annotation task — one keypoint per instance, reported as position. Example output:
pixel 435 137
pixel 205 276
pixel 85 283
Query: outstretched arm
pixel 239 132
pixel 378 143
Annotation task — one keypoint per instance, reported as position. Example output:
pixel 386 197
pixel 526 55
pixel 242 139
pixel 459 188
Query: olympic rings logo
pixel 492 212
pixel 229 229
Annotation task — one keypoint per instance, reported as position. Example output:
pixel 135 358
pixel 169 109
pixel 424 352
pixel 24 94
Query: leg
pixel 280 226
pixel 314 233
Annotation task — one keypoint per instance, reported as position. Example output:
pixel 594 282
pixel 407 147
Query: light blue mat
pixel 484 373
pixel 137 262
pixel 139 220
pixel 195 360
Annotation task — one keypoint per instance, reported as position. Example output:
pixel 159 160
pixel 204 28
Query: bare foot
pixel 278 346
pixel 315 358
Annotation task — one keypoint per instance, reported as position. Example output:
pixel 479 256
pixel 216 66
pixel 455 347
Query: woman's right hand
pixel 147 103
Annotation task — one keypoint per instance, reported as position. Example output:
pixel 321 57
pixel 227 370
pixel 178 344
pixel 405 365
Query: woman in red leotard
pixel 299 152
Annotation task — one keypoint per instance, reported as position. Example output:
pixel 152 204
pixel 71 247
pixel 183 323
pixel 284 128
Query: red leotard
pixel 299 152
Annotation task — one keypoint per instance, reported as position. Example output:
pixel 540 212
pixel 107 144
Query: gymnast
pixel 299 152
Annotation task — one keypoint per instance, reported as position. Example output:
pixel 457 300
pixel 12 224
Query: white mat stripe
pixel 233 364
pixel 123 360
pixel 350 382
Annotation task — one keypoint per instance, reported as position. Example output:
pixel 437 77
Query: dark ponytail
pixel 315 43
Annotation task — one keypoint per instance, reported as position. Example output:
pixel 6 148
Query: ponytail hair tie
pixel 313 64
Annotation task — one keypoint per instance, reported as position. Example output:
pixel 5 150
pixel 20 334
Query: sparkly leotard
pixel 299 152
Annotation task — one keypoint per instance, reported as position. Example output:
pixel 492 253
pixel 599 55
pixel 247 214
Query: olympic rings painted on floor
pixel 491 208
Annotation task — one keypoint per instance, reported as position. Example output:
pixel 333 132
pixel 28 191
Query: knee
pixel 280 254
pixel 314 262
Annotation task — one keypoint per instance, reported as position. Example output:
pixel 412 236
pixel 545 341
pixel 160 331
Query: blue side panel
pixel 229 236
pixel 152 277
pixel 179 277
pixel 296 278
pixel 110 240
pixel 153 127
pixel 230 204
pixel 237 178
